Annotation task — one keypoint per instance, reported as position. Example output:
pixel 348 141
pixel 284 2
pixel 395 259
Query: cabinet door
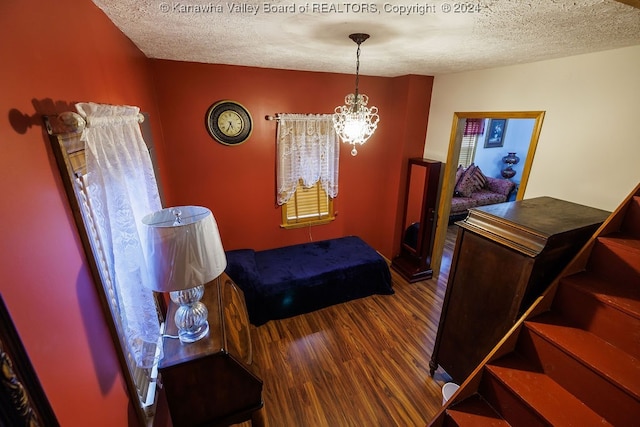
pixel 236 321
pixel 484 298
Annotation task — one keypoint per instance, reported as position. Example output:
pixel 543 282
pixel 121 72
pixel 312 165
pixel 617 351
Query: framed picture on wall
pixel 495 133
pixel 22 398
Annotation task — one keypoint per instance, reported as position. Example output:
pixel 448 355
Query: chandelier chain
pixel 355 106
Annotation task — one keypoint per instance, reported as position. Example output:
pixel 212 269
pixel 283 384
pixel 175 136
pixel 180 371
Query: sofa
pixel 474 189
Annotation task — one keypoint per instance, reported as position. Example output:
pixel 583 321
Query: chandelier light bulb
pixel 355 122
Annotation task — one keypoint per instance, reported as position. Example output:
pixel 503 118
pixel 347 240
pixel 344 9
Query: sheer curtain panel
pixel 122 189
pixel 308 150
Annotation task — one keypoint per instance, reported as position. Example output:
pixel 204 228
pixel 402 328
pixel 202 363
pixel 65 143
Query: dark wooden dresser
pixel 505 256
pixel 211 382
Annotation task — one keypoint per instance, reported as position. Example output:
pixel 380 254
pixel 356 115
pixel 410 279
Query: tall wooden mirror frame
pixel 419 220
pixel 448 179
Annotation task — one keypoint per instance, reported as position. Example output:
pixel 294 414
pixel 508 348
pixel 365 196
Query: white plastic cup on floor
pixel 448 390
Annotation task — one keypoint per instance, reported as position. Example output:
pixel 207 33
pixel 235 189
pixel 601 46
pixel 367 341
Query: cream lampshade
pixel 185 252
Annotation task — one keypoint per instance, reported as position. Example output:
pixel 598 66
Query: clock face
pixel 228 122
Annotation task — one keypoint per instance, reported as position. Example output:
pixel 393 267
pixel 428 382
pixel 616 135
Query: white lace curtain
pixel 308 149
pixel 122 188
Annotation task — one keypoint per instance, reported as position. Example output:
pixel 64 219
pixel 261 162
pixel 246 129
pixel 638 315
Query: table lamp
pixel 185 252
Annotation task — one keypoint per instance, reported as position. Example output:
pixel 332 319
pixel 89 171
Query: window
pixel 472 129
pixel 307 206
pixel 468 149
pixel 307 171
pixel 70 155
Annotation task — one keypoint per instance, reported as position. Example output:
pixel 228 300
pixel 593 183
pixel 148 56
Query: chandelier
pixel 354 122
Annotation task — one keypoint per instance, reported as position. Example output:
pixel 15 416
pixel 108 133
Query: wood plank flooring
pixel 361 363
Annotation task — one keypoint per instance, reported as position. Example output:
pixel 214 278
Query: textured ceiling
pixel 427 38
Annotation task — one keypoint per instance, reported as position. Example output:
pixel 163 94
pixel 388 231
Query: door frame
pixel 448 178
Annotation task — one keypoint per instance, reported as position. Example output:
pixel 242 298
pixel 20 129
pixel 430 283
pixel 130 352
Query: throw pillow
pixel 467 184
pixel 479 178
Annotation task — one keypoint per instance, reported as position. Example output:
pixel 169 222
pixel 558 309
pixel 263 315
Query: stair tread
pixel 620 295
pixel 543 395
pixel 475 411
pixel 622 239
pixel 616 365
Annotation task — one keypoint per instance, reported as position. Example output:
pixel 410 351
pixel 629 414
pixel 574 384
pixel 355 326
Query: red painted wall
pixel 58 53
pixel 238 183
pixel 54 54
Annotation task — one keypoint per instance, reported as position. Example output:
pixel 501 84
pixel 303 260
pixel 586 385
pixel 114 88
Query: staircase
pixel 574 357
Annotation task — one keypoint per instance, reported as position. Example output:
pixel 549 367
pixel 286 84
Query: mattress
pixel 288 281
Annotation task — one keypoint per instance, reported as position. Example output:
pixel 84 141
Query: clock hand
pixel 230 126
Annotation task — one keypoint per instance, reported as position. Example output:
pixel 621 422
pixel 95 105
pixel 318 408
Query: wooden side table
pixel 505 256
pixel 211 382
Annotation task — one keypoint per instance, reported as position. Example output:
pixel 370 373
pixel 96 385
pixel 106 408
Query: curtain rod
pixel 71 122
pixel 301 116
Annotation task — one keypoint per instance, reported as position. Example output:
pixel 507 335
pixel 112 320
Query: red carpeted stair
pixel 574 359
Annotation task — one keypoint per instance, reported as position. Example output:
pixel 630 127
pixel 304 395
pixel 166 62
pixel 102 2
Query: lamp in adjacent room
pixel 354 122
pixel 510 160
pixel 185 252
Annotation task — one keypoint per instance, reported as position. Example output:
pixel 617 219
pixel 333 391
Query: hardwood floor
pixel 361 363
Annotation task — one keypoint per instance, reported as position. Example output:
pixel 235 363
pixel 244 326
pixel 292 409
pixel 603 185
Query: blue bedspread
pixel 284 282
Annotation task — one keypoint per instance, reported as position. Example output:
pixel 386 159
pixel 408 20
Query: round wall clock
pixel 228 122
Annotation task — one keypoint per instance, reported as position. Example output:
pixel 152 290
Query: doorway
pixel 455 143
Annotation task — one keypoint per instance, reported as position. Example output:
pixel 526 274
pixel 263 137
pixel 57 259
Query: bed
pixel 292 280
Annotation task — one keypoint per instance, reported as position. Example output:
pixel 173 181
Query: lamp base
pixel 191 315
